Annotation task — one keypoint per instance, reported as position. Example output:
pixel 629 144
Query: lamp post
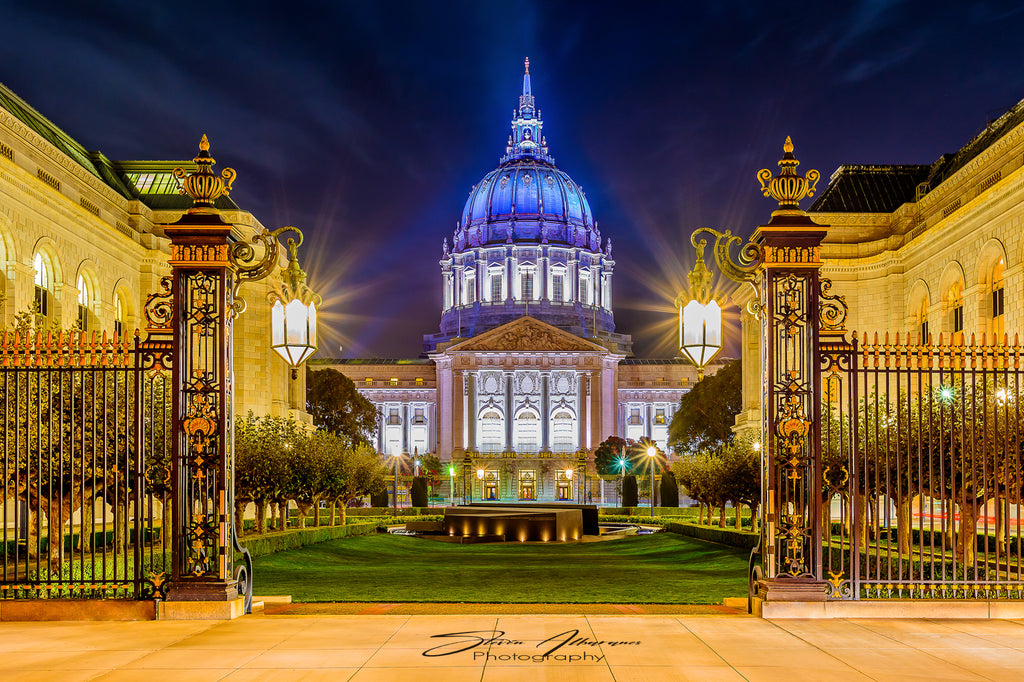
pixel 782 261
pixel 197 307
pixel 451 485
pixel 480 475
pixel 622 476
pixel 651 453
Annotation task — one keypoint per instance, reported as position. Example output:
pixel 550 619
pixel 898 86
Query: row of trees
pixel 277 462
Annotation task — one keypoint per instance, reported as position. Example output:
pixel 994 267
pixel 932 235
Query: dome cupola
pixel 527 244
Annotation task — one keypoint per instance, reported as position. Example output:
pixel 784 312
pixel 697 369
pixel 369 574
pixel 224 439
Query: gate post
pixel 791 535
pixel 202 467
pixel 781 261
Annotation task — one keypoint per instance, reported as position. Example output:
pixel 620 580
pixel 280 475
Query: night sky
pixel 366 123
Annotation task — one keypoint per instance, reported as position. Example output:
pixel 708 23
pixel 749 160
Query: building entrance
pixel 491 485
pixel 527 485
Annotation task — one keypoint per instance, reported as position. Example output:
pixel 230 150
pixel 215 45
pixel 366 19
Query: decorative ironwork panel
pixel 203 297
pixel 83 462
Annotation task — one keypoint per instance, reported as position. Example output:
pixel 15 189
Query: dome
pixel 526 198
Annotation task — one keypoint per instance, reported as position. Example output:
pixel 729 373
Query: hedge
pixel 641 511
pixel 262 545
pixel 723 536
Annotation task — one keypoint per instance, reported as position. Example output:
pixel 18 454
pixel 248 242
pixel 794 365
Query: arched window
pixel 118 316
pixel 563 432
pixel 84 304
pixel 998 299
pixel 43 288
pixel 527 431
pixel 955 306
pixel 491 430
pixel 606 291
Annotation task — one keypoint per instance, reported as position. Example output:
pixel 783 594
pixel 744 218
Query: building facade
pixel 924 250
pixel 81 242
pixel 527 373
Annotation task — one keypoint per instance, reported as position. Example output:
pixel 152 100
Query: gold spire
pixel 202 184
pixel 788 188
pixel 527 65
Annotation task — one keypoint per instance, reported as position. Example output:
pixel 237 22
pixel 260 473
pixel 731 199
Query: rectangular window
pixel 634 416
pixel 496 288
pixel 83 318
pixel 393 417
pixel 958 319
pixel 369 381
pixel 659 415
pixel 42 301
pixel 998 301
pixel 527 279
pixel 924 331
pixel 419 381
pixel 394 381
pixel 556 287
pixel 417 416
pixel 469 292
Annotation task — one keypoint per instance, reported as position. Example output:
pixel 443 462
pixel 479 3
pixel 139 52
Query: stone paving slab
pixel 531 646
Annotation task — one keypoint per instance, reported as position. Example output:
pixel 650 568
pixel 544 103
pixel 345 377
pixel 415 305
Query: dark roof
pixel 870 189
pixel 883 189
pixel 121 176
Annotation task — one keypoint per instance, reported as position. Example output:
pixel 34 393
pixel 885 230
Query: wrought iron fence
pixel 921 447
pixel 84 465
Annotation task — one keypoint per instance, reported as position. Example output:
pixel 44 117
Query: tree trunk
pixel 342 520
pixel 239 513
pixel 303 510
pixel 274 518
pixel 316 514
pixel 261 517
pixel 862 521
pixel 700 513
pixel 282 511
pixel 968 535
pixel 721 516
pixel 903 527
pixel 739 516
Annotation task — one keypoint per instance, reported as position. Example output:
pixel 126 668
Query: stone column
pixel 649 418
pixel 582 407
pixel 544 273
pixel 381 416
pixel 432 427
pixel 471 412
pixel 545 412
pixel 508 411
pixel 458 412
pixel 405 428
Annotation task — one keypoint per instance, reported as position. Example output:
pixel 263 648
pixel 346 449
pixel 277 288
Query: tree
pixel 630 496
pixel 669 490
pixel 606 457
pixel 336 405
pixel 707 413
pixel 418 491
pixel 262 466
pixel 433 469
pixel 361 473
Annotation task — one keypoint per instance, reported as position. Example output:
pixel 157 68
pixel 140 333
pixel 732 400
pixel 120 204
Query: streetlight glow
pixel 700 316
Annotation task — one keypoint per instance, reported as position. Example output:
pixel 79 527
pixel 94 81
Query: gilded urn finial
pixel 203 185
pixel 788 188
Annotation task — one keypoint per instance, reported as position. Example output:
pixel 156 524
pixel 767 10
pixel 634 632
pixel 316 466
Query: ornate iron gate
pixel 84 466
pixel 922 453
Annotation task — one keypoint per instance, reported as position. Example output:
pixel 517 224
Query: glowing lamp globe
pixel 293 313
pixel 700 331
pixel 294 331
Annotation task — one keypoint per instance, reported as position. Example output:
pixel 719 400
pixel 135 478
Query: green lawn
pixel 661 568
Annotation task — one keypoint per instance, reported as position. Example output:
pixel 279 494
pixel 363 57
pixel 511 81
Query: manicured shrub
pixel 381 499
pixel 630 496
pixel 418 492
pixel 669 490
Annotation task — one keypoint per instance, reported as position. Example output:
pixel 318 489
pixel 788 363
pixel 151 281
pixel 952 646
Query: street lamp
pixel 651 453
pixel 293 314
pixel 622 476
pixel 480 475
pixel 700 316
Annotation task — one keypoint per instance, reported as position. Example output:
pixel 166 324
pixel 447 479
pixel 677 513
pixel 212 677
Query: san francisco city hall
pixel 527 374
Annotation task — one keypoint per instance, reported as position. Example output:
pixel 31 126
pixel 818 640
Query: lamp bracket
pixel 242 255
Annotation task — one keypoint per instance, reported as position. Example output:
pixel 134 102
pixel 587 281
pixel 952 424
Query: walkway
pixel 594 647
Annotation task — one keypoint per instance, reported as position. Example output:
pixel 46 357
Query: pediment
pixel 527 334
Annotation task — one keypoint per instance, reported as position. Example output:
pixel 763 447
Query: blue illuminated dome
pixel 527 244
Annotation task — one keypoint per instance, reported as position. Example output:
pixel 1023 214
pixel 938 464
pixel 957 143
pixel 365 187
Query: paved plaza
pixel 513 647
